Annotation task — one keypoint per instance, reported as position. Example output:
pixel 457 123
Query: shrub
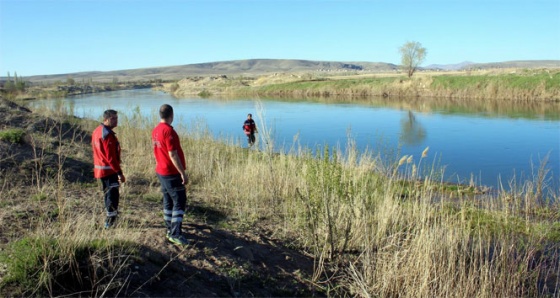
pixel 205 94
pixel 174 87
pixel 14 136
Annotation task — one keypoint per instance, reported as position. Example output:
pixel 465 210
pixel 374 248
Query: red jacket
pixel 249 126
pixel 106 152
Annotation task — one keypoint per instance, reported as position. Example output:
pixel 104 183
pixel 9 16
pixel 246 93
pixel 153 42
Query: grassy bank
pixel 508 85
pixel 373 228
pixel 525 86
pixel 375 234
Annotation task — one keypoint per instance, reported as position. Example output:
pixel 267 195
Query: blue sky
pixel 64 36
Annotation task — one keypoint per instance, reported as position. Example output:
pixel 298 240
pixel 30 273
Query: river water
pixel 485 142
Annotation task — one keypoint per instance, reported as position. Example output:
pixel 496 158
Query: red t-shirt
pixel 164 140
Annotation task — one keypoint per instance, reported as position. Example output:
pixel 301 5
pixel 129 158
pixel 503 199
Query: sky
pixel 40 37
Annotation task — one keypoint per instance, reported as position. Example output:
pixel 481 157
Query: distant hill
pixel 235 67
pixel 458 66
pixel 253 67
pixel 507 64
pixel 518 64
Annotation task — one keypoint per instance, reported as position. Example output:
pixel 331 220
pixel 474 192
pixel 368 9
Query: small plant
pixel 205 94
pixel 174 87
pixel 39 197
pixel 152 197
pixel 44 266
pixel 14 136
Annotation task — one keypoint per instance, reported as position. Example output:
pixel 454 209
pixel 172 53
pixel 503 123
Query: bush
pixel 205 94
pixel 14 136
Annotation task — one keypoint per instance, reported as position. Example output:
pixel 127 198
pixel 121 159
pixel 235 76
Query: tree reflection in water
pixel 412 131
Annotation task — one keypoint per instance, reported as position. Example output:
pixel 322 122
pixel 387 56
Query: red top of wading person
pixel 170 159
pixel 106 148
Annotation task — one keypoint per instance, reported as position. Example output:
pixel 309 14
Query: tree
pixel 70 81
pixel 412 55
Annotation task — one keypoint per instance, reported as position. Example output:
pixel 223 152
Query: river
pixel 484 142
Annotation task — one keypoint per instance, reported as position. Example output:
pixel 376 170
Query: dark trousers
pixel 251 138
pixel 174 203
pixel 110 185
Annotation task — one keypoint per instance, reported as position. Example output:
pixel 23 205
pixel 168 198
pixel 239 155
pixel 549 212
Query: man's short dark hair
pixel 108 114
pixel 165 111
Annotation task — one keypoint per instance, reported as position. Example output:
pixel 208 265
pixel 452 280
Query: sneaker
pixel 181 240
pixel 107 226
pixel 168 236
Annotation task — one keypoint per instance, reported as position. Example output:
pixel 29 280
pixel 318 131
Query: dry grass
pixel 395 239
pixel 407 242
pixel 373 231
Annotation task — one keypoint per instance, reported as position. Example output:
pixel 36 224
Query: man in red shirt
pixel 170 170
pixel 107 163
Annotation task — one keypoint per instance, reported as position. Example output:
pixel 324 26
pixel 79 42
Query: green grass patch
pixel 205 94
pixel 316 85
pixel 43 266
pixel 495 224
pixel 14 136
pixel 511 81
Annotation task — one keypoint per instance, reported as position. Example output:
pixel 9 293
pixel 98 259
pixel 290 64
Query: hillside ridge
pixel 252 67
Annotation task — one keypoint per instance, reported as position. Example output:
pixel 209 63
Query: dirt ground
pixel 219 263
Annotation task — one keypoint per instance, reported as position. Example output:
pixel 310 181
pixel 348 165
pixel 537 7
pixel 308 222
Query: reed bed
pixel 380 229
pixel 375 228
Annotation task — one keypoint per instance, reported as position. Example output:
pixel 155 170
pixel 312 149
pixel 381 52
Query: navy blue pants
pixel 251 139
pixel 174 203
pixel 110 185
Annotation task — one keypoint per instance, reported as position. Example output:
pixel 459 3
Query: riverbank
pixel 533 85
pixel 62 90
pixel 265 224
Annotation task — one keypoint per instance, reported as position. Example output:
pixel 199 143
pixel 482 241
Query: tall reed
pixel 397 235
pixel 374 229
pixel 398 232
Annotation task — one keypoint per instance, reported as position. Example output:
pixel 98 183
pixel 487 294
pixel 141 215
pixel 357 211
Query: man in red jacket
pixel 107 163
pixel 171 172
pixel 250 128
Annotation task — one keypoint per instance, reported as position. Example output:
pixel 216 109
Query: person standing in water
pixel 250 128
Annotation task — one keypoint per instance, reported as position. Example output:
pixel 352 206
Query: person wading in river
pixel 250 128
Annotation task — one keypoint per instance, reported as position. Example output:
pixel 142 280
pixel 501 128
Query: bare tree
pixel 412 55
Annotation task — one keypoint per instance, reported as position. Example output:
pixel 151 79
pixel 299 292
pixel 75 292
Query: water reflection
pixel 412 131
pixel 482 107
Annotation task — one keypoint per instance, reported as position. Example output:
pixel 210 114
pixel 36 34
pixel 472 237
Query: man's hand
pixel 122 179
pixel 185 178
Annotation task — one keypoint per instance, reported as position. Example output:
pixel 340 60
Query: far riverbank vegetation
pixel 473 86
pixel 529 85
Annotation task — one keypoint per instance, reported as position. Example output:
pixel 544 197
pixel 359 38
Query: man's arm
pixel 111 154
pixel 174 156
